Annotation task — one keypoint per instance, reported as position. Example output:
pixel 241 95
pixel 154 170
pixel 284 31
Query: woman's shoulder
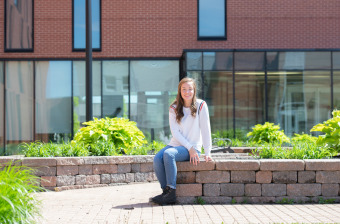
pixel 173 106
pixel 200 102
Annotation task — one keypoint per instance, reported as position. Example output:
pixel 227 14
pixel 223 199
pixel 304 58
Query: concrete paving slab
pixel 129 204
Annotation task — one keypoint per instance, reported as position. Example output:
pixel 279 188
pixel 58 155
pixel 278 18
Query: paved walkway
pixel 129 204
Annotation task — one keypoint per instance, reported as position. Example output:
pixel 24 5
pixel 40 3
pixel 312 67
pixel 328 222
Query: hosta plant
pixel 268 133
pixel 122 133
pixel 331 128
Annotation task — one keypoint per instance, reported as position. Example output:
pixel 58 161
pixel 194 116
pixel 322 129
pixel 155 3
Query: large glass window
pixel 298 60
pixel 298 100
pixel 211 19
pixel 53 101
pixel 79 92
pixel 153 88
pixel 79 24
pixel 336 90
pixel 116 89
pixel 218 93
pixel 249 99
pixel 19 104
pixel 2 125
pixel 336 60
pixel 249 90
pixel 19 25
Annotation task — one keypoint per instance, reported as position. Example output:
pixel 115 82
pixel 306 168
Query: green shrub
pixel 39 149
pixel 147 149
pixel 269 133
pixel 17 201
pixel 303 138
pixel 103 149
pixel 298 151
pixel 331 128
pixel 239 134
pixel 121 132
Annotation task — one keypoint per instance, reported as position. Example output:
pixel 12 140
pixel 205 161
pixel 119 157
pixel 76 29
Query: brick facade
pixel 164 28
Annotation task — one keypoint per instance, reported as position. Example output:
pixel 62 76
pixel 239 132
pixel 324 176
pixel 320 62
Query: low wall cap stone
pixel 202 165
pixel 37 162
pixel 96 160
pixel 322 164
pixel 65 161
pixel 238 165
pixel 282 164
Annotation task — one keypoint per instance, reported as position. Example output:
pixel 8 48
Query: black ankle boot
pixel 157 198
pixel 168 198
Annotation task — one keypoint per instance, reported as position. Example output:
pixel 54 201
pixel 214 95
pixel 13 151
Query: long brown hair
pixel 179 102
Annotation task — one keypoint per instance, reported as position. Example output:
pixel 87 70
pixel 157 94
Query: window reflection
pixel 249 99
pixel 336 60
pixel 115 89
pixel 153 88
pixel 19 104
pixel 2 125
pixel 212 18
pixel 297 100
pixel 79 23
pixel 298 60
pixel 19 25
pixel 336 90
pixel 53 101
pixel 79 92
pixel 218 93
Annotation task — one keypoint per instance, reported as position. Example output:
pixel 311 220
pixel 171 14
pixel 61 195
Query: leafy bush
pixel 298 151
pixel 269 133
pixel 239 134
pixel 147 149
pixel 331 128
pixel 303 138
pixel 17 202
pixel 39 149
pixel 103 149
pixel 121 132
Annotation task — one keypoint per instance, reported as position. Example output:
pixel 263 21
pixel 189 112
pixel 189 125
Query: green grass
pixel 17 201
pixel 73 149
pixel 298 151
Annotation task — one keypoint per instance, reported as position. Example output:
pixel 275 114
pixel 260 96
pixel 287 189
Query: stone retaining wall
pixel 64 173
pixel 221 181
pixel 259 181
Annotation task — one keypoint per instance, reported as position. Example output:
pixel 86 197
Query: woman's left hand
pixel 194 158
pixel 208 158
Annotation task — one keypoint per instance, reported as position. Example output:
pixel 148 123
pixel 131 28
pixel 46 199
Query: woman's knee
pixel 169 154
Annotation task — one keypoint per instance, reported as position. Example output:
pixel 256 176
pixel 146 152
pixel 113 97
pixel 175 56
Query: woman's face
pixel 187 92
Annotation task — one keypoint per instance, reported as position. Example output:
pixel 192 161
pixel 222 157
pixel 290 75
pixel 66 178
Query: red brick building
pixel 276 61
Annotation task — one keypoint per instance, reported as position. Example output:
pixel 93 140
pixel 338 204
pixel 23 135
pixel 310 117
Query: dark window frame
pixel 100 32
pixel 14 50
pixel 210 38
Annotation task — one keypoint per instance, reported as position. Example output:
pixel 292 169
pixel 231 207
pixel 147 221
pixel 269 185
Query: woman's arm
pixel 205 130
pixel 174 127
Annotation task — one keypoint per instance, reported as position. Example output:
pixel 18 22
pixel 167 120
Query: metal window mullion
pixel 129 89
pixel 332 83
pixel 234 96
pixel 4 117
pixel 34 102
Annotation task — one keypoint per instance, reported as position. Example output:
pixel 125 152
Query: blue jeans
pixel 165 167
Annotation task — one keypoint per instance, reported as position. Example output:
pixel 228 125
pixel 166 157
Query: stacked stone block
pixel 220 181
pixel 64 173
pixel 259 181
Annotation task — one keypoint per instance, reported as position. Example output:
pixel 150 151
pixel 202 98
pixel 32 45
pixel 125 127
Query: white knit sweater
pixel 192 131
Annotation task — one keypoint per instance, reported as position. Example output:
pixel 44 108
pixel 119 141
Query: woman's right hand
pixel 194 158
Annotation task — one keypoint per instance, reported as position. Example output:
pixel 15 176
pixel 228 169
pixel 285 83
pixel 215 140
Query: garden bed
pixel 230 178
